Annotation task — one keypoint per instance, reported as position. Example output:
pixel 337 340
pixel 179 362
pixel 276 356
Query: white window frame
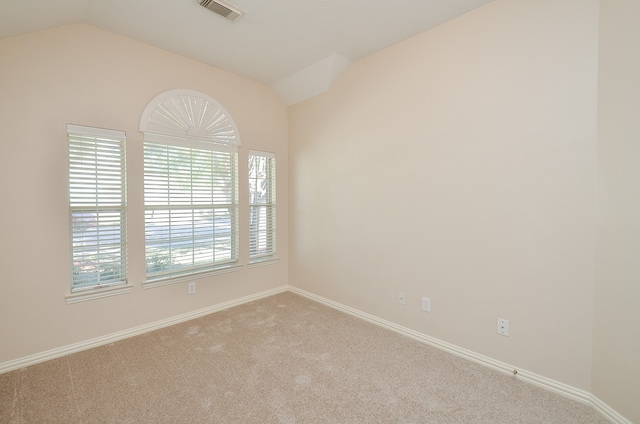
pixel 262 209
pixel 97 212
pixel 189 123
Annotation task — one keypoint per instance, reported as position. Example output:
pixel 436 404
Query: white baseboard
pixel 120 335
pixel 540 381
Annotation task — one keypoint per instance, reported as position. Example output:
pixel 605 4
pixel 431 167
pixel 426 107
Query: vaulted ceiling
pixel 272 42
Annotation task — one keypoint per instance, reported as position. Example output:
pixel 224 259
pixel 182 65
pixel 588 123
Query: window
pixel 190 187
pixel 97 200
pixel 262 206
pixel 190 209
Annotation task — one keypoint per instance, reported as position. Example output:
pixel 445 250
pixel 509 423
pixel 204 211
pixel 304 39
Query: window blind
pixel 262 205
pixel 97 202
pixel 191 209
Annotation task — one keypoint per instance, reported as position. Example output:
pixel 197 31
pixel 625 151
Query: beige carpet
pixel 283 359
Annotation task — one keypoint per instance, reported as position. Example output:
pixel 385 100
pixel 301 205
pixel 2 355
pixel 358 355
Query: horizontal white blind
pixel 262 205
pixel 97 206
pixel 191 209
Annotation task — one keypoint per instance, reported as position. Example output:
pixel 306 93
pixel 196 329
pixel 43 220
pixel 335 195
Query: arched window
pixel 190 186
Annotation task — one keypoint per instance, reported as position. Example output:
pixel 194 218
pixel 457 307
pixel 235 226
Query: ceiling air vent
pixel 222 8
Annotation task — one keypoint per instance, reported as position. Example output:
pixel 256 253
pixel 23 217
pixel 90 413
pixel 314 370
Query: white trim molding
pixel 271 260
pixel 97 293
pixel 164 281
pixel 136 331
pixel 540 381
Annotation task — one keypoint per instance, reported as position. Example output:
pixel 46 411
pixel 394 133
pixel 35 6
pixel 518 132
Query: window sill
pixel 98 293
pixel 269 260
pixel 164 281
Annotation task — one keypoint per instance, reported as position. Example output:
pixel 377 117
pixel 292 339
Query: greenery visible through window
pixel 97 206
pixel 262 206
pixel 190 198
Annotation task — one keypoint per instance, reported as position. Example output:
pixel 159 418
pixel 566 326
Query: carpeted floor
pixel 283 359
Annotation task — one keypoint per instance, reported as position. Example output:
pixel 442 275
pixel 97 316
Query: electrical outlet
pixel 191 288
pixel 402 298
pixel 426 304
pixel 503 327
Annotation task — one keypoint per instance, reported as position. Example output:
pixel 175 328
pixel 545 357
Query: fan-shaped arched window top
pixel 188 115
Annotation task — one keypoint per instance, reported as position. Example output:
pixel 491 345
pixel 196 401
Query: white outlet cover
pixel 426 304
pixel 503 327
pixel 191 288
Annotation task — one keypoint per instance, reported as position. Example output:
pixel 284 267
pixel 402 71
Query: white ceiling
pixel 274 40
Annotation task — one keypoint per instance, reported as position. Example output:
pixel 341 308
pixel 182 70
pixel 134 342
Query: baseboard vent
pixel 222 8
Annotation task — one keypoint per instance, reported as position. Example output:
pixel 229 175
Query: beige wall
pixel 460 165
pixel 82 75
pixel 616 359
